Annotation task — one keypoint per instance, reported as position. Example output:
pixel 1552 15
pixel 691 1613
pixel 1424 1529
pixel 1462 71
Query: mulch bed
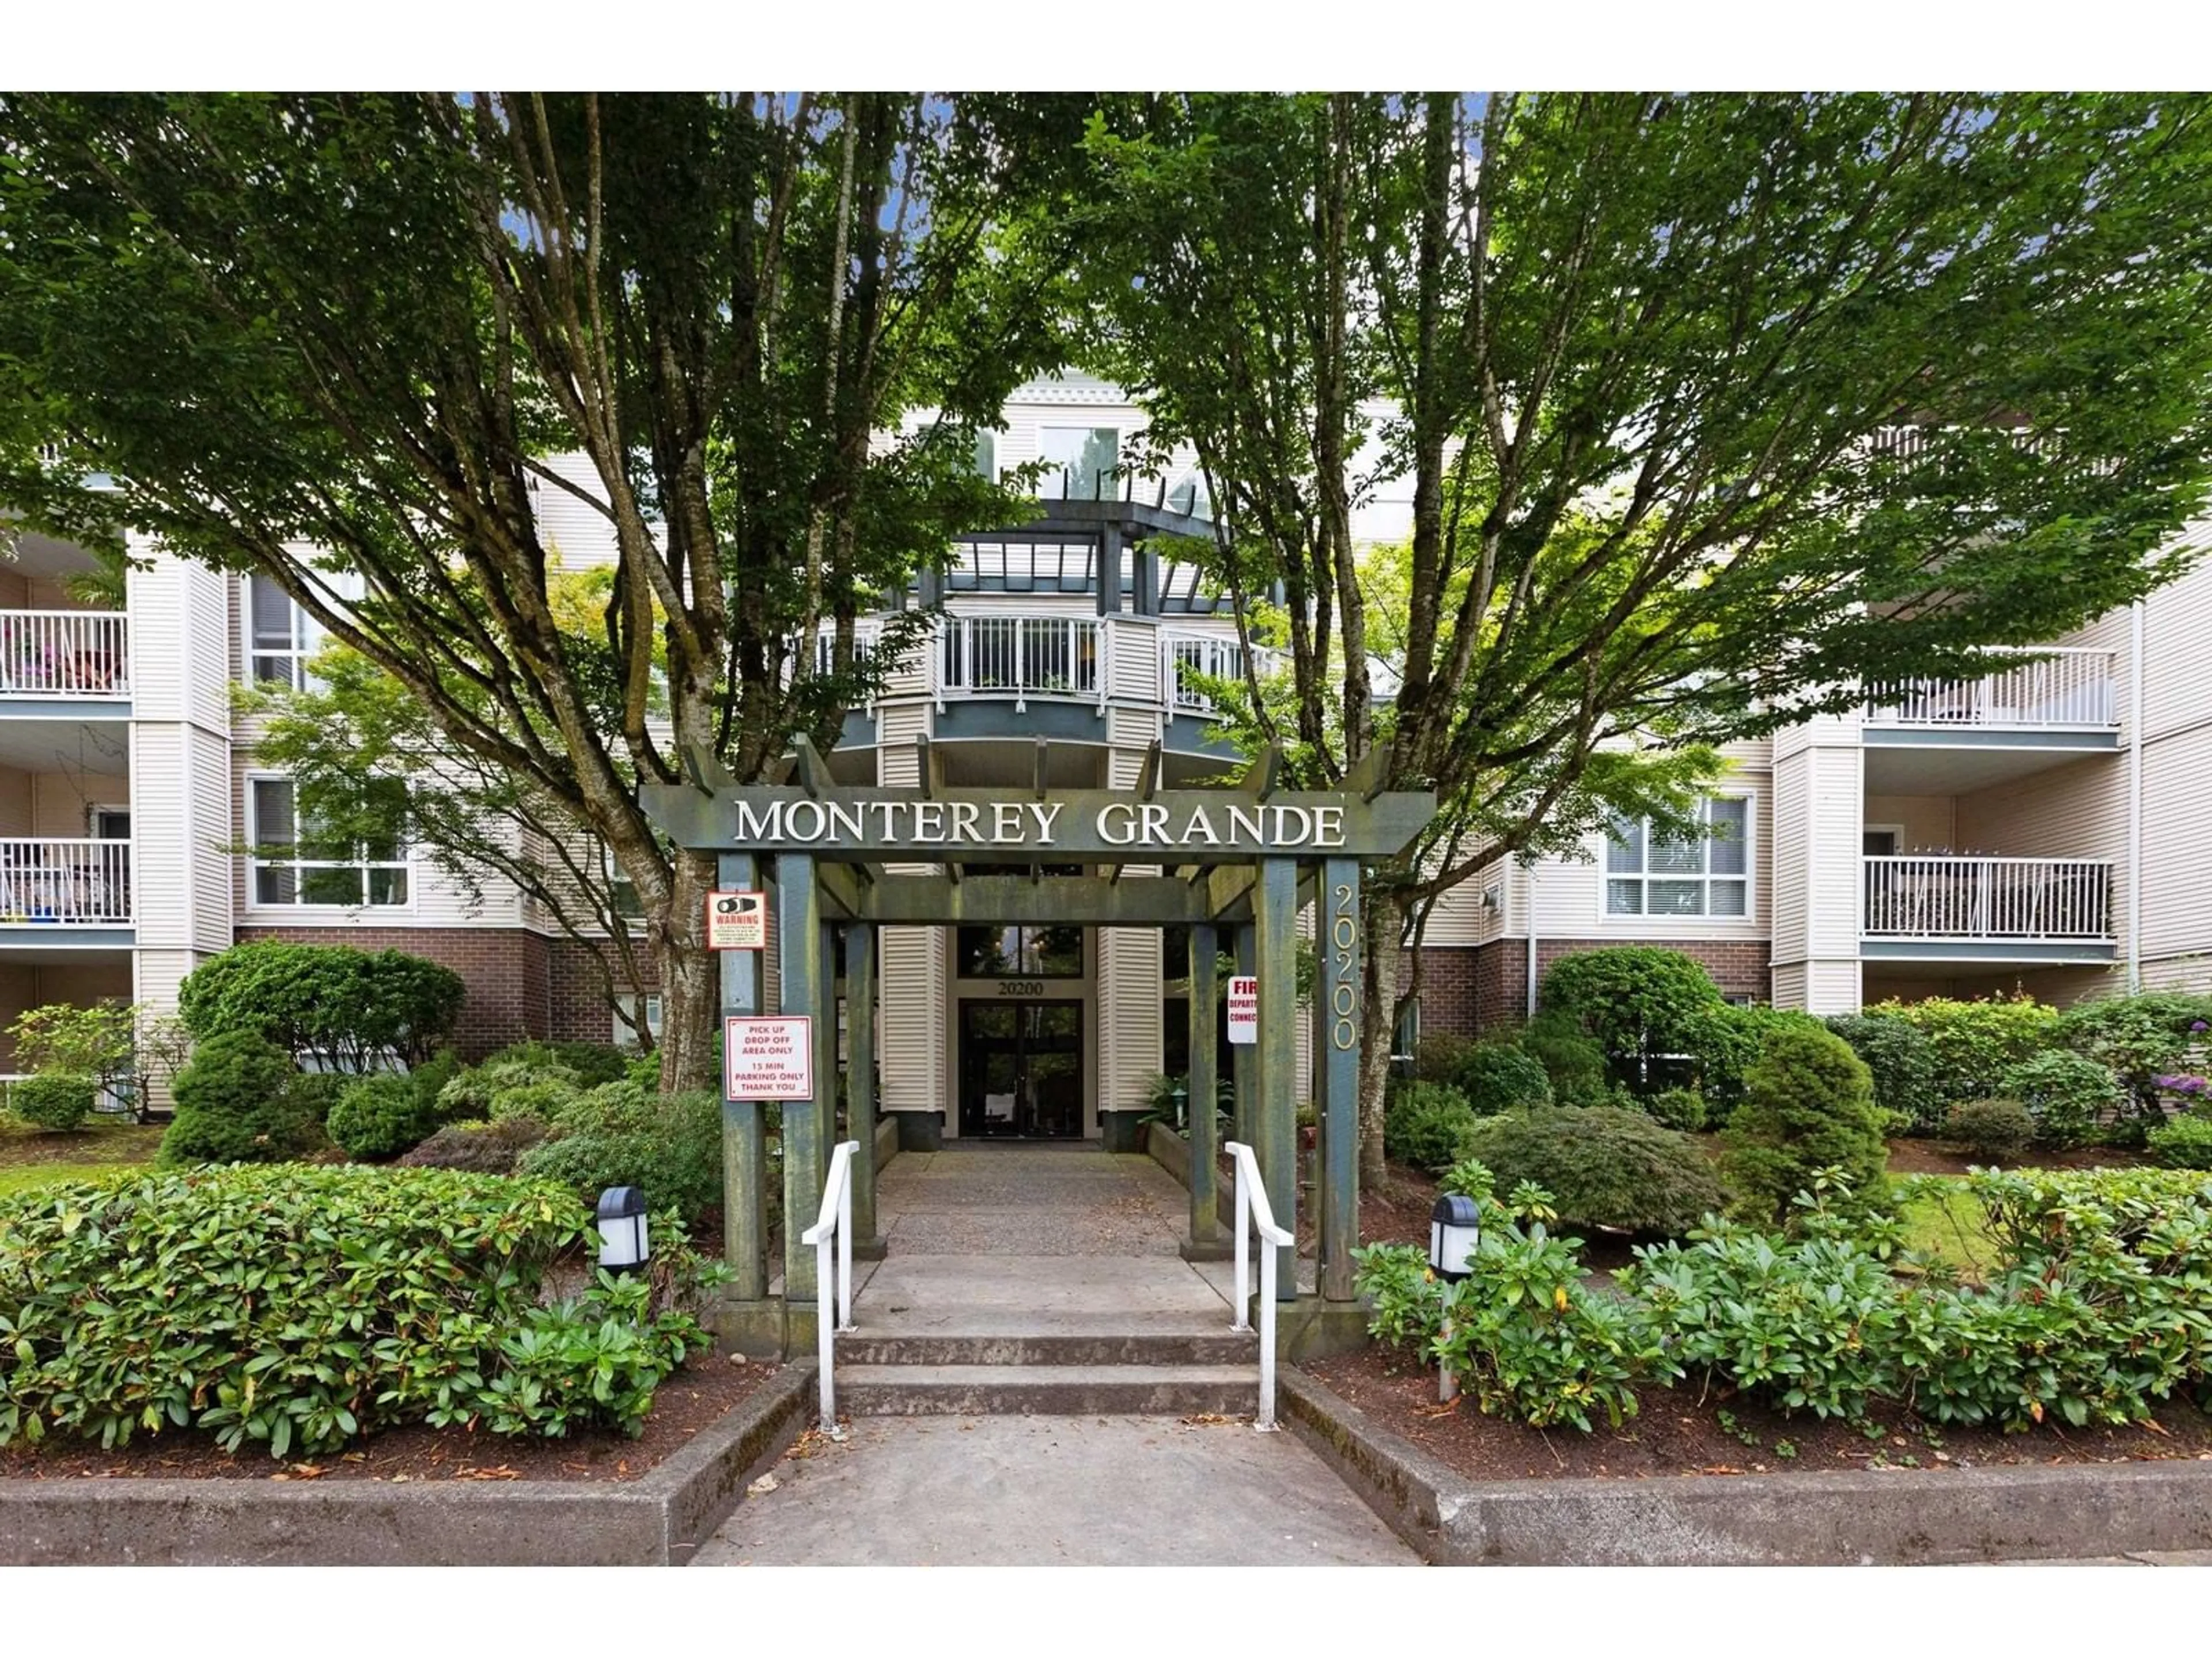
pixel 1677 1432
pixel 694 1399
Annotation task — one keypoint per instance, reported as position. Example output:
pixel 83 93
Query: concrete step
pixel 1047 1390
pixel 1050 1347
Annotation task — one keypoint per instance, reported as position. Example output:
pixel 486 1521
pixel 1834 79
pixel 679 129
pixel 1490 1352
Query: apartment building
pixel 2044 827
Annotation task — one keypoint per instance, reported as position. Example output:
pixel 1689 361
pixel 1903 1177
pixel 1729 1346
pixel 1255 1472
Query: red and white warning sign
pixel 1244 1007
pixel 736 921
pixel 770 1058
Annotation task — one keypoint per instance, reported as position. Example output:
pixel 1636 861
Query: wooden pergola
pixel 1242 861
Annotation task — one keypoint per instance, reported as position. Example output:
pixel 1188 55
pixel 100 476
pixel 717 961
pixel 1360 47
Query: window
pixel 1082 462
pixel 293 864
pixel 1053 952
pixel 1708 876
pixel 277 635
pixel 987 455
pixel 644 1008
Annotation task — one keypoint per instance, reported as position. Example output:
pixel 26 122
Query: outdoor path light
pixel 623 1246
pixel 1454 1231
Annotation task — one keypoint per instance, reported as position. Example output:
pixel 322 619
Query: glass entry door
pixel 1021 1070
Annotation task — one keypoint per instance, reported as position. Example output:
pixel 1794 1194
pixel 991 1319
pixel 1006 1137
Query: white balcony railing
pixel 80 883
pixel 64 653
pixel 1021 657
pixel 2069 686
pixel 1918 897
pixel 1188 658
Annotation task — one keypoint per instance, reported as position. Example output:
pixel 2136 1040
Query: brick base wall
pixel 575 995
pixel 1466 992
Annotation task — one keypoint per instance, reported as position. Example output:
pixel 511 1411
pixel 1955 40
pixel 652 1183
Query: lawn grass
pixel 26 1177
pixel 1943 1221
pixel 31 1158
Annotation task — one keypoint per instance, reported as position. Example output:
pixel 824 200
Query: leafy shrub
pixel 1902 1062
pixel 1437 1056
pixel 1575 1065
pixel 238 1100
pixel 1635 1000
pixel 511 1084
pixel 2182 1143
pixel 2066 1095
pixel 1808 1106
pixel 1972 1044
pixel 668 1146
pixel 300 1309
pixel 1427 1126
pixel 1404 1301
pixel 1724 1041
pixel 1810 1323
pixel 590 1063
pixel 54 1100
pixel 353 1007
pixel 1496 1076
pixel 483 1148
pixel 1677 1108
pixel 382 1115
pixel 2139 1038
pixel 1606 1166
pixel 1994 1129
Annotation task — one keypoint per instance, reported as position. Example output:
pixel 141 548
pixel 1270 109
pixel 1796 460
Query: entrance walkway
pixel 1055 1491
pixel 1039 1198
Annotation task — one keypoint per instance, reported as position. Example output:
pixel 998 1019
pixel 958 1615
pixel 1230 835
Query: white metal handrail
pixel 1917 896
pixel 1022 657
pixel 2062 686
pixel 1255 1215
pixel 1187 657
pixel 64 653
pixel 82 882
pixel 835 1221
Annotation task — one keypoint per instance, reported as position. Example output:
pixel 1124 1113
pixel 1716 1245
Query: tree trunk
pixel 690 986
pixel 1378 1020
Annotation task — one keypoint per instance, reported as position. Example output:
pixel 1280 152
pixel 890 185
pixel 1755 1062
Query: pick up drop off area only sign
pixel 768 1058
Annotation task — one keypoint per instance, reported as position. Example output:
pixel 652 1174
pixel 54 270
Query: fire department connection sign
pixel 1243 1007
pixel 769 1059
pixel 736 921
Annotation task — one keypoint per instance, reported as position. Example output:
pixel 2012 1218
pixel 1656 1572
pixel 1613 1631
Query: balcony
pixel 53 657
pixel 1021 657
pixel 1942 907
pixel 48 887
pixel 1186 661
pixel 1942 737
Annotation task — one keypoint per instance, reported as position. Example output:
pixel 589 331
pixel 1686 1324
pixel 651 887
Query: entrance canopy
pixel 1242 859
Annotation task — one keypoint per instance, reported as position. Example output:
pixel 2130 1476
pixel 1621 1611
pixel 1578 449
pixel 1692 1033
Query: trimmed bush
pixel 237 1102
pixel 482 1148
pixel 2139 1038
pixel 1902 1062
pixel 54 1100
pixel 1496 1076
pixel 1725 1040
pixel 668 1146
pixel 1427 1126
pixel 1439 1055
pixel 1808 1105
pixel 1604 1166
pixel 2068 1096
pixel 1636 1001
pixel 1677 1108
pixel 353 1006
pixel 590 1063
pixel 1575 1065
pixel 264 1326
pixel 1973 1044
pixel 382 1115
pixel 511 1084
pixel 1994 1129
pixel 2182 1143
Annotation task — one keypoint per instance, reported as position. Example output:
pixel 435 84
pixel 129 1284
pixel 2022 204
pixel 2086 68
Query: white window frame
pixel 306 639
pixel 1646 917
pixel 643 1005
pixel 299 867
pixel 1091 429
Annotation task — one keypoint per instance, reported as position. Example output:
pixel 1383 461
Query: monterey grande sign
pixel 1189 826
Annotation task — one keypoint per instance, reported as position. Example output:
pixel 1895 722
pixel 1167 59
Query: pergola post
pixel 799 981
pixel 860 1080
pixel 1275 1125
pixel 1205 1207
pixel 745 1143
pixel 826 1052
pixel 1339 1105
